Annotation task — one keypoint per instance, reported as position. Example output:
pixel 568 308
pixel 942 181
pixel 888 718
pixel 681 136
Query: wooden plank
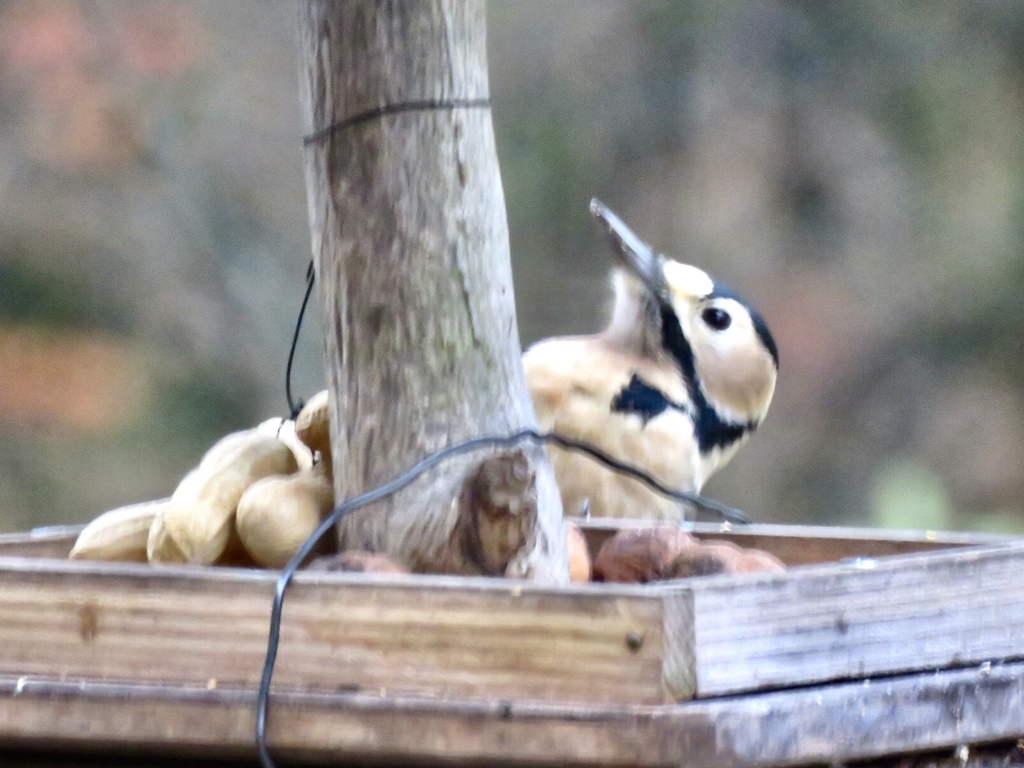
pixel 1004 754
pixel 835 622
pixel 862 720
pixel 48 758
pixel 806 544
pixel 454 636
pixel 830 724
pixel 43 757
pixel 54 542
pixel 793 544
pixel 437 635
pixel 341 728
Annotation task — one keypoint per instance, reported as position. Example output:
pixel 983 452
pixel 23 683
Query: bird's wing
pixel 584 388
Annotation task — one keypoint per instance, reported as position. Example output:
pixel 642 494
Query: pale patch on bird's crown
pixel 687 280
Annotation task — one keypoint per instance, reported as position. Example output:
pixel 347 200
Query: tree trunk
pixel 411 249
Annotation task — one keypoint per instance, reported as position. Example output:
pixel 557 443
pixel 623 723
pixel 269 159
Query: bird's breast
pixel 630 408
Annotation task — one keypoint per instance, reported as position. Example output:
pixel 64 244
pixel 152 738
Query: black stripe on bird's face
pixel 674 341
pixel 711 430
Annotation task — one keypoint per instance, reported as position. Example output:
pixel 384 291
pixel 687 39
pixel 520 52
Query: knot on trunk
pixel 497 511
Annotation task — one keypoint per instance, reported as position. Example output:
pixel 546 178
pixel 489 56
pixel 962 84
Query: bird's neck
pixel 712 428
pixel 635 324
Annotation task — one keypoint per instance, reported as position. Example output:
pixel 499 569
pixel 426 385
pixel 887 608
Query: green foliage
pixel 30 295
pixel 909 496
pixel 195 409
pixel 53 479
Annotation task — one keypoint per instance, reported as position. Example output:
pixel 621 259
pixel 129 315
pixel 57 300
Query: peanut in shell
pixel 313 424
pixel 277 514
pixel 119 535
pixel 198 523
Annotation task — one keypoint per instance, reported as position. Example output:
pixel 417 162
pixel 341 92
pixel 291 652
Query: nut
pixel 313 426
pixel 198 523
pixel 580 569
pixel 715 557
pixel 277 514
pixel 639 555
pixel 118 535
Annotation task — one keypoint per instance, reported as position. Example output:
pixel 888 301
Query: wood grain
pixel 793 544
pixel 699 637
pixel 805 544
pixel 830 724
pixel 431 635
pixel 857 721
pixel 847 621
pixel 410 242
pixel 55 542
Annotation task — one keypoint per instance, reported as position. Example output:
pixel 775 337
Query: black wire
pixel 392 109
pixel 295 407
pixel 404 480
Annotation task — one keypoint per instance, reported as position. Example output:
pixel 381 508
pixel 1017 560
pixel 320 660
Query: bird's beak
pixel 667 280
pixel 636 255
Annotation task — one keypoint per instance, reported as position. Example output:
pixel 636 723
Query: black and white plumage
pixel 678 381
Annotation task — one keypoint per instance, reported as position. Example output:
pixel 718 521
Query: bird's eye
pixel 716 318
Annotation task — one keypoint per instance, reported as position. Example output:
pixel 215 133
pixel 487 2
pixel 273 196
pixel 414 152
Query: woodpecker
pixel 678 381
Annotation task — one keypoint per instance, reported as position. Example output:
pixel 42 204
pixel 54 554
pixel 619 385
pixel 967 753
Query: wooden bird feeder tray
pixel 872 644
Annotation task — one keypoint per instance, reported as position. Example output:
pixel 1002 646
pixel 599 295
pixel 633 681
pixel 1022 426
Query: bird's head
pixel 721 345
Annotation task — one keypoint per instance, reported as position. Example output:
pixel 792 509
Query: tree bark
pixel 411 249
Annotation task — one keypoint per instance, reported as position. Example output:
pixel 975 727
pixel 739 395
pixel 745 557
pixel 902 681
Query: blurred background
pixel 856 169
